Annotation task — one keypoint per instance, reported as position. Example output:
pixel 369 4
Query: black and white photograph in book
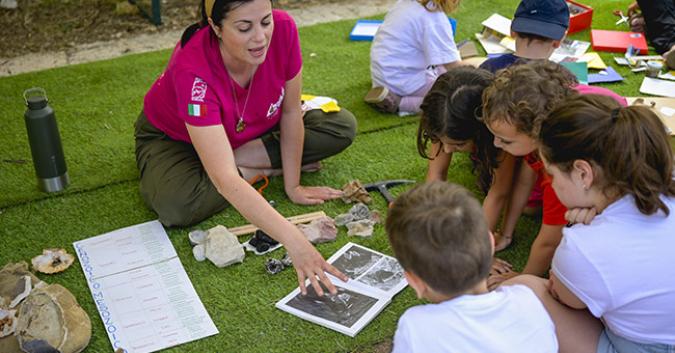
pixel 344 308
pixel 370 268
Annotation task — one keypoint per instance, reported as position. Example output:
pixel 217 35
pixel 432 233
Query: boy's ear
pixel 556 43
pixel 416 283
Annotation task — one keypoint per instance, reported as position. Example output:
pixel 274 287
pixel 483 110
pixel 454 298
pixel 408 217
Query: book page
pixel 347 312
pixel 370 268
pixel 141 290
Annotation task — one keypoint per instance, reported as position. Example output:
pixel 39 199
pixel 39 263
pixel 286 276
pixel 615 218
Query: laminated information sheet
pixel 145 298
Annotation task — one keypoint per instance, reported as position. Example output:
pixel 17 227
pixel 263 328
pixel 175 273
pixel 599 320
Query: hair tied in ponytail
pixel 615 114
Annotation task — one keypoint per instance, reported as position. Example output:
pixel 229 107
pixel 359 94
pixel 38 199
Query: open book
pixel 374 279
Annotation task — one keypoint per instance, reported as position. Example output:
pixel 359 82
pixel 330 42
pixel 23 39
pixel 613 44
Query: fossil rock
pixel 222 247
pixel 16 282
pixel 274 266
pixel 362 228
pixel 320 230
pixel 7 322
pixel 354 192
pixel 52 261
pixel 50 318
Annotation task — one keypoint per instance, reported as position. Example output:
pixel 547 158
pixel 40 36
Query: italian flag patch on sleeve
pixel 198 110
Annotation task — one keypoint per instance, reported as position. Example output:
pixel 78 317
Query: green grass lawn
pixel 96 105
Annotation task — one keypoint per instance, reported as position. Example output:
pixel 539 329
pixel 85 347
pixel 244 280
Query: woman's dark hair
pixel 218 13
pixel 452 108
pixel 629 146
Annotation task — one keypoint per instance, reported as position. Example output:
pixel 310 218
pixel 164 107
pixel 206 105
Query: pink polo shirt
pixel 195 87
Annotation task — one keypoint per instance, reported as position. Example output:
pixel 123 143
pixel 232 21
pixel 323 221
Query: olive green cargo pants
pixel 173 180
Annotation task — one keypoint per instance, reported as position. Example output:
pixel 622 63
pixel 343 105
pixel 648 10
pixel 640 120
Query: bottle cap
pixel 35 98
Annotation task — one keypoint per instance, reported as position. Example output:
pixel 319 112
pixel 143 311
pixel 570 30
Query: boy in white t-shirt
pixel 410 50
pixel 441 239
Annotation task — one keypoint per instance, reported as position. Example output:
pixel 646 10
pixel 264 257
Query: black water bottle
pixel 45 142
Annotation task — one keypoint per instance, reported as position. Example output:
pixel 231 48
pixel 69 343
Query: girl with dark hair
pixel 617 162
pixel 227 109
pixel 451 121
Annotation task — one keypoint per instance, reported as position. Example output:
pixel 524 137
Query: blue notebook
pixel 364 30
pixel 605 76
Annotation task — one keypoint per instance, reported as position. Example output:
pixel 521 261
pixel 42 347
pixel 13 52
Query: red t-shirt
pixel 195 88
pixel 553 211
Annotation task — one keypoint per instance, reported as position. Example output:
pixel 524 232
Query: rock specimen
pixel 362 228
pixel 16 282
pixel 359 220
pixel 197 237
pixel 274 266
pixel 52 261
pixel 222 247
pixel 7 322
pixel 50 318
pixel 320 230
pixel 354 192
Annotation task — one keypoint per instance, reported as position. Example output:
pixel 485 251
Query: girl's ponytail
pixel 629 146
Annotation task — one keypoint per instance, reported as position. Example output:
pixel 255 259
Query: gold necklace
pixel 241 125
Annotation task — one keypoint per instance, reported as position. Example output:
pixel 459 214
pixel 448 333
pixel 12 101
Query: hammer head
pixel 383 187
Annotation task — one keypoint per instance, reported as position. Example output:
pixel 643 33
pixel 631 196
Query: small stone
pixel 52 261
pixel 274 266
pixel 199 252
pixel 197 236
pixel 362 228
pixel 320 230
pixel 222 247
pixel 344 218
pixel 354 191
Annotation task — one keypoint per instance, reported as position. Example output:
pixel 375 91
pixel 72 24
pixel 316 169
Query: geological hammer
pixel 383 187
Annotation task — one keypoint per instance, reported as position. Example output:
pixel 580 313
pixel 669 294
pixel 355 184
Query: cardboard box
pixel 581 16
pixel 618 42
pixel 364 30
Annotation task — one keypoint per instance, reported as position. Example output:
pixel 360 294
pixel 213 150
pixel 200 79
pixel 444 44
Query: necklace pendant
pixel 241 125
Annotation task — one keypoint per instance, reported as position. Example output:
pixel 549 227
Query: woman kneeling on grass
pixel 615 165
pixel 227 109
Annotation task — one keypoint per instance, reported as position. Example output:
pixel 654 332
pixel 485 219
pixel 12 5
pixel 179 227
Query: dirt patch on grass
pixel 52 25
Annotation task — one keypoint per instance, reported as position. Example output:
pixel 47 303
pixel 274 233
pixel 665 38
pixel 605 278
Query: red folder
pixel 615 41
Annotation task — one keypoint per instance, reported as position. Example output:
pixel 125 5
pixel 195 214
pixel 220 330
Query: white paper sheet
pixel 142 292
pixel 498 23
pixel 491 45
pixel 657 87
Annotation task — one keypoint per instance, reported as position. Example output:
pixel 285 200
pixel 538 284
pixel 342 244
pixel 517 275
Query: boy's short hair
pixel 438 232
pixel 547 19
pixel 523 95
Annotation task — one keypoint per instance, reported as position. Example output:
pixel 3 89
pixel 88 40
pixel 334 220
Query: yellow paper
pixel 594 61
pixel 508 43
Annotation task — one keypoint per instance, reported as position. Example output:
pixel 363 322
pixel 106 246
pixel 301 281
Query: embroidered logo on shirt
pixel 198 90
pixel 274 107
pixel 198 110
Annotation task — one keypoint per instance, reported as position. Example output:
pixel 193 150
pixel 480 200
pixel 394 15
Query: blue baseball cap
pixel 546 18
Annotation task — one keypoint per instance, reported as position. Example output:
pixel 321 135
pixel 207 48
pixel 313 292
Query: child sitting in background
pixel 538 28
pixel 439 236
pixel 615 161
pixel 411 48
pixel 450 120
pixel 519 98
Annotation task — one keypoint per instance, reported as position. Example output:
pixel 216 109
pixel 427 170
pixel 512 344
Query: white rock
pixel 197 237
pixel 199 252
pixel 222 247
